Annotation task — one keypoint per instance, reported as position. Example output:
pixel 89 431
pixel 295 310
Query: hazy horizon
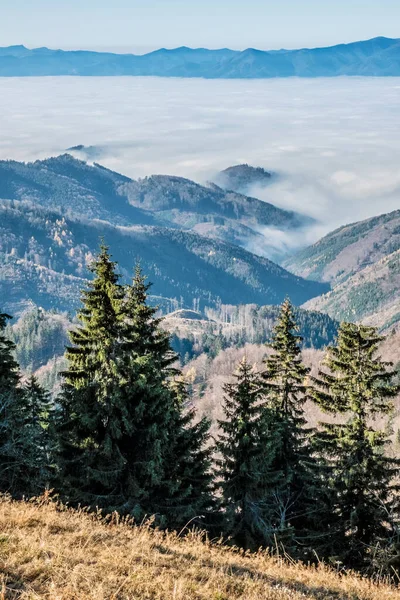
pixel 152 48
pixel 173 23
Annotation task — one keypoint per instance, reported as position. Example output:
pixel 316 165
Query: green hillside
pixel 361 261
pixel 348 250
pixel 371 295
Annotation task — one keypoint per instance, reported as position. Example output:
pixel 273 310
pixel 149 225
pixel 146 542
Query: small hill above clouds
pixel 92 191
pixel 362 263
pixel 87 153
pixel 241 178
pixel 375 57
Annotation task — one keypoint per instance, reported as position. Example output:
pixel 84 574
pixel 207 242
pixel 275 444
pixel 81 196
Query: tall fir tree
pixel 185 497
pixel 292 502
pixel 122 431
pixel 92 416
pixel 10 417
pixel 23 460
pixel 38 411
pixel 9 369
pixel 168 457
pixel 363 507
pixel 244 459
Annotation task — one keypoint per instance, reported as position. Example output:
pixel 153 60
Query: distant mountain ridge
pixel 372 295
pixel 376 57
pixel 349 249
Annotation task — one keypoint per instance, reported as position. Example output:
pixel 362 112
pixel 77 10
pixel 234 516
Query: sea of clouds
pixel 335 143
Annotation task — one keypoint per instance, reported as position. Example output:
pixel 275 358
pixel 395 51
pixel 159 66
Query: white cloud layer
pixel 335 142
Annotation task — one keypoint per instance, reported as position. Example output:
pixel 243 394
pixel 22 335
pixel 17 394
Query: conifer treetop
pixel 95 339
pixel 142 327
pixel 357 378
pixel 285 374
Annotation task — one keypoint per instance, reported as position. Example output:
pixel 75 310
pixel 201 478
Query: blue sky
pixel 141 25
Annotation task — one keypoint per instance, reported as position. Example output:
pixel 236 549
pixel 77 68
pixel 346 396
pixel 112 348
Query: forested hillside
pixel 371 295
pixel 231 326
pixel 41 336
pixel 44 256
pixel 348 249
pixel 361 262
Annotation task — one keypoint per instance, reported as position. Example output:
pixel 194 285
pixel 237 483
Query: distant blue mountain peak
pixel 376 57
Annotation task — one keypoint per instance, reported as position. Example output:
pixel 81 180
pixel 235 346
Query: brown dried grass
pixel 47 552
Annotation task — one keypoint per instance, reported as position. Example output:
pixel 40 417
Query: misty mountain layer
pixel 93 192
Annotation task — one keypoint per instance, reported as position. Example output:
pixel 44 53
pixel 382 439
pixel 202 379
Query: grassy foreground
pixel 58 554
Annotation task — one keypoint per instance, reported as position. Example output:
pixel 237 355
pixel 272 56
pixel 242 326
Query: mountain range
pixel 376 57
pixel 76 188
pixel 192 240
pixel 44 256
pixel 186 236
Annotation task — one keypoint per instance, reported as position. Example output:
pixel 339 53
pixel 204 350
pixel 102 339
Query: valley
pixel 55 212
pixel 193 241
pixel 199 300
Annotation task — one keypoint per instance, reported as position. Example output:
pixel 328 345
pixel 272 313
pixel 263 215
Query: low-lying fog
pixel 335 142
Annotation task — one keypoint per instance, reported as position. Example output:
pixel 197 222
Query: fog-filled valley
pixel 332 142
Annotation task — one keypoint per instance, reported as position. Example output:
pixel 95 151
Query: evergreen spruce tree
pixel 9 369
pixel 363 508
pixel 244 460
pixel 10 418
pixel 23 462
pixel 92 416
pixel 125 443
pixel 185 496
pixel 37 411
pixel 292 502
pixel 167 458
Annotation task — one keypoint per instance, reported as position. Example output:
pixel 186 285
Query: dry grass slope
pixel 53 554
